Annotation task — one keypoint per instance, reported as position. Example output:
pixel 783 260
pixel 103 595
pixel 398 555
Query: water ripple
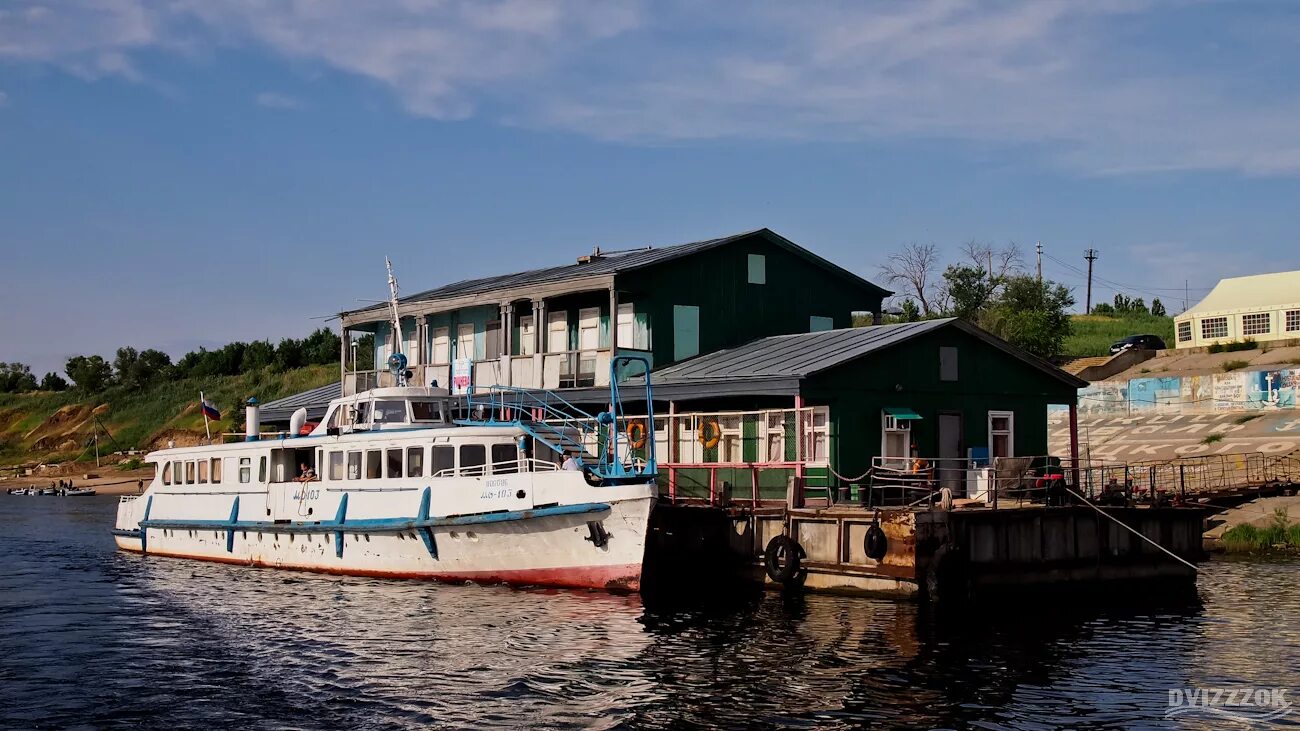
pixel 94 638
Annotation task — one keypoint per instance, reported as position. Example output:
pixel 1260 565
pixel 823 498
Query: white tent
pixel 1261 307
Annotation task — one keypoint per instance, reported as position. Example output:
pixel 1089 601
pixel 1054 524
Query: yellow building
pixel 1262 307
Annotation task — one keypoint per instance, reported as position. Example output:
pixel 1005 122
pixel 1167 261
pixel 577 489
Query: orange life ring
pixel 636 434
pixel 710 433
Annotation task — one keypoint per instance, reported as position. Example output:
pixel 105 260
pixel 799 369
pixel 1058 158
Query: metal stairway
pixel 560 425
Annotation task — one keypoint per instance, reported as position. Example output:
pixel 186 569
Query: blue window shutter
pixel 686 331
pixel 757 269
pixel 817 324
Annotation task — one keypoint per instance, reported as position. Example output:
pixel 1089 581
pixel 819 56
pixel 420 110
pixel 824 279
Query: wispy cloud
pixel 4 99
pixel 1104 87
pixel 275 100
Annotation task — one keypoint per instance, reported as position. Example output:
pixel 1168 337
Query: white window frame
pixel 1210 322
pixel 1187 326
pixel 1292 320
pixel 1010 433
pixel 815 435
pixel 890 426
pixel 1251 323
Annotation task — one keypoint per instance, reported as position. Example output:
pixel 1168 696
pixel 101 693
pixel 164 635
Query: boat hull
pixel 533 549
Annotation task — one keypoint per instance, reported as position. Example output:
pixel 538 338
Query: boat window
pixel 177 476
pixel 394 464
pixel 245 469
pixel 354 465
pixel 425 411
pixel 390 412
pixel 203 472
pixel 261 469
pixel 167 473
pixel 472 457
pixel 505 459
pixel 374 464
pixel 216 470
pixel 443 461
pixel 363 413
pixel 189 473
pixel 336 465
pixel 415 461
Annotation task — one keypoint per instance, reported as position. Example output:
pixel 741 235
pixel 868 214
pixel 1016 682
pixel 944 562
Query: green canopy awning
pixel 902 413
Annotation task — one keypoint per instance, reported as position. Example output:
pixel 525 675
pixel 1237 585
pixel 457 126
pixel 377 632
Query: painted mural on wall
pixel 1213 393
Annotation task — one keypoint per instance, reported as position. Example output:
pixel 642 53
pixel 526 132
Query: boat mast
pixel 396 361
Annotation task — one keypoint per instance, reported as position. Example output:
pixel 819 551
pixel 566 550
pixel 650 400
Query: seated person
pixel 306 473
pixel 571 461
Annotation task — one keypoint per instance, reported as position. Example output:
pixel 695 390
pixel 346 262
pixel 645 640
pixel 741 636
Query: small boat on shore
pixel 78 491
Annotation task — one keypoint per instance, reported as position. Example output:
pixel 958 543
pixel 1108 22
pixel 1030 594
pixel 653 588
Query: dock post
pixel 1074 444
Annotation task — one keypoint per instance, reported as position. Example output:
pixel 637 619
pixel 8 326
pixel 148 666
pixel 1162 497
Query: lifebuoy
pixel 710 433
pixel 874 543
pixel 782 558
pixel 636 434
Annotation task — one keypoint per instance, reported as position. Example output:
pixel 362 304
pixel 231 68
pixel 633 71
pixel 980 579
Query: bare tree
pixel 997 262
pixel 915 267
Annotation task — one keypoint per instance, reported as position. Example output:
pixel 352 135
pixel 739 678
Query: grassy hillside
pixel 1093 334
pixel 48 427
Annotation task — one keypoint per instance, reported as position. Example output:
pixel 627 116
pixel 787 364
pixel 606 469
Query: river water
pixel 93 638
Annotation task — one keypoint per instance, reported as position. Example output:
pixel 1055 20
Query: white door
pixel 557 332
pixel 589 328
pixel 465 341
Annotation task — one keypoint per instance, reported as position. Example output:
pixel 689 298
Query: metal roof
pixel 615 263
pixel 804 354
pixel 1277 290
pixel 316 401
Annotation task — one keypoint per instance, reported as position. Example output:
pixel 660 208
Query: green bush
pixel 1247 344
pixel 1215 348
pixel 1280 533
pixel 130 464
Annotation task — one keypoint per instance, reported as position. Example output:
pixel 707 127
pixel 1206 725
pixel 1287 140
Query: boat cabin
pixel 405 407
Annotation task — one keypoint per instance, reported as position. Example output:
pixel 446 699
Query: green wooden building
pixel 557 328
pixel 829 405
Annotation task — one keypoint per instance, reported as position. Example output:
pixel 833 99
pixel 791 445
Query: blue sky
pixel 191 172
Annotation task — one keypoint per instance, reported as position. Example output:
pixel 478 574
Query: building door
pixel 950 461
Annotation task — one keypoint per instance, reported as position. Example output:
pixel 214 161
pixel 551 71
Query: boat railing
pixel 502 467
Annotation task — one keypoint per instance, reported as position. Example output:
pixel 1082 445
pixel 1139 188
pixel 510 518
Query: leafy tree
pixel 970 289
pixel 257 355
pixel 91 374
pixel 911 313
pixel 1103 308
pixel 289 355
pixel 16 378
pixel 1158 308
pixel 1033 315
pixel 53 382
pixel 321 347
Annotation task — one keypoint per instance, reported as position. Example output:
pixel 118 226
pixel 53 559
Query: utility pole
pixel 1186 292
pixel 1040 262
pixel 1091 256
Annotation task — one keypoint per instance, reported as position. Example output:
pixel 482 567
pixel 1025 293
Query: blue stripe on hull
pixel 376 525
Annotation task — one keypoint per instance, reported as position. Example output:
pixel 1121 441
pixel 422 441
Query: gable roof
pixel 1255 292
pixel 623 261
pixel 804 354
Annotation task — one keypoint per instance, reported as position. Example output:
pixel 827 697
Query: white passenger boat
pixel 398 486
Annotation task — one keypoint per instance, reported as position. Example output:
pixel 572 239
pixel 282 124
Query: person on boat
pixel 572 463
pixel 306 473
pixel 921 467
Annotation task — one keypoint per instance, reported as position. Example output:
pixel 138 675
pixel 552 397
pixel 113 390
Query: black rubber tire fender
pixel 874 543
pixel 787 548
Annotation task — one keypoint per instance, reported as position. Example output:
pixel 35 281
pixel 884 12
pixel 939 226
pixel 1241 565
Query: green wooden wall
pixel 907 376
pixel 733 311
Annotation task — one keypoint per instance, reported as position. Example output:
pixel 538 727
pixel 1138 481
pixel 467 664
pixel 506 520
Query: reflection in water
pixel 92 636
